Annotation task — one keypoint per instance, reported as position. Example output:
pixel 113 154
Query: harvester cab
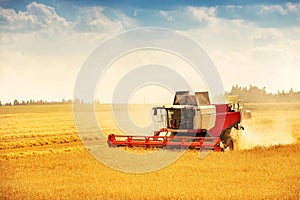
pixel 190 122
pixel 182 119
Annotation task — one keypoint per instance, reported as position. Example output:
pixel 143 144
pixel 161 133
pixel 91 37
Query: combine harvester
pixel 191 122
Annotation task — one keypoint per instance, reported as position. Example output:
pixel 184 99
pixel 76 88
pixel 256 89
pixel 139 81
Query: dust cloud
pixel 262 136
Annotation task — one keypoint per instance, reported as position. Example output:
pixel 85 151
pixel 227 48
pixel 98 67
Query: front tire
pixel 229 144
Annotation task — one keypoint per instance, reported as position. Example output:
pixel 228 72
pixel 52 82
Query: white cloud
pixel 268 38
pixel 126 21
pixel 202 14
pixel 39 30
pixel 272 8
pixel 45 15
pixel 165 15
pixel 93 19
pixel 281 9
pixel 43 18
pixel 293 7
pixel 135 14
pixel 37 16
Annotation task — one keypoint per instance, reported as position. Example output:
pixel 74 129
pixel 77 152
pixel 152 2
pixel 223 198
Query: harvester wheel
pixel 230 145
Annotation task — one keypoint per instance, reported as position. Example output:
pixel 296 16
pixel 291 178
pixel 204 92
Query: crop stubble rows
pixel 29 130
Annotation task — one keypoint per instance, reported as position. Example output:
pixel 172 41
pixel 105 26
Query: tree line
pixel 45 102
pixel 16 102
pixel 251 94
pixel 257 95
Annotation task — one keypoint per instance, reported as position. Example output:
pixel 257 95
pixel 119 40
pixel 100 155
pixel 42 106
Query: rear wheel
pixel 229 144
pixel 227 139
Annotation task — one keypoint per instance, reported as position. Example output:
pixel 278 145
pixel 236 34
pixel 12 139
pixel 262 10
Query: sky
pixel 43 44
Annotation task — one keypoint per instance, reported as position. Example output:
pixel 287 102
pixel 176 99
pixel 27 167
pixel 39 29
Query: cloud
pixel 203 15
pixel 126 22
pixel 272 8
pixel 93 19
pixel 292 7
pixel 135 13
pixel 264 15
pixel 165 15
pixel 284 9
pixel 36 17
pixel 39 30
pixel 265 36
pixel 40 17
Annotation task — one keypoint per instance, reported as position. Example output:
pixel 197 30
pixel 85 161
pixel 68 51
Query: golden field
pixel 42 157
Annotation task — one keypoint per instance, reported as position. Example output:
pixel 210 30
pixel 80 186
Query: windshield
pixel 159 117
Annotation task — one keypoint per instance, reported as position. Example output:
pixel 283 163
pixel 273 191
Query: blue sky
pixel 44 43
pixel 264 13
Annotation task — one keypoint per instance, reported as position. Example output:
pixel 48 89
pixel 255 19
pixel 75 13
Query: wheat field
pixel 42 157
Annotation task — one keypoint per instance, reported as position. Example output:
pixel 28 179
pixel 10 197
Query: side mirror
pixel 155 111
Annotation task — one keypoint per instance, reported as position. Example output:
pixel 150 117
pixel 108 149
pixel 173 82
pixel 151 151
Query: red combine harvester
pixel 191 122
